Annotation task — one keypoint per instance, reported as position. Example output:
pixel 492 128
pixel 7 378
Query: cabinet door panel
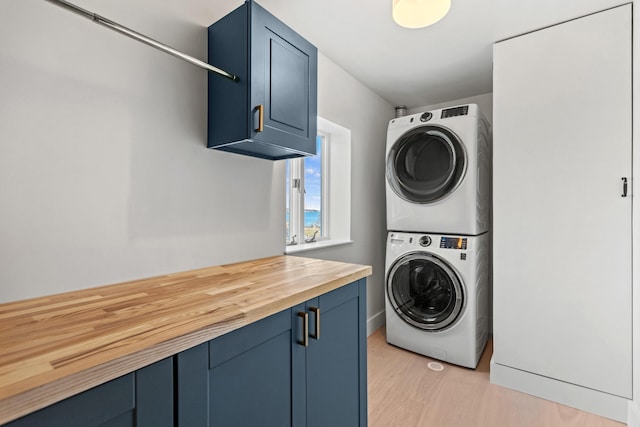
pixel 251 376
pixel 192 385
pixel 332 369
pixel 284 80
pixel 253 388
pixel 336 362
pixel 289 73
pixel 154 395
pixel 562 231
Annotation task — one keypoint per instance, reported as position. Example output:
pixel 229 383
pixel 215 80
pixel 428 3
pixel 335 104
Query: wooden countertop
pixel 56 346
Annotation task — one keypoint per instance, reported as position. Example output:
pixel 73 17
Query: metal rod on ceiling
pixel 140 37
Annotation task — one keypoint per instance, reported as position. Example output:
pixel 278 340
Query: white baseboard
pixel 634 414
pixel 607 405
pixel 375 322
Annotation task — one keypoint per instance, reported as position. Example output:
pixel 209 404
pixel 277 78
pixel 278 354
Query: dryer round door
pixel 426 164
pixel 425 291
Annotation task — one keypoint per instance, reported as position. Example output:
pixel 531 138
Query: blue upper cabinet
pixel 271 111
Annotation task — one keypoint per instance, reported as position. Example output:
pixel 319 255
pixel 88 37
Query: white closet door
pixel 562 231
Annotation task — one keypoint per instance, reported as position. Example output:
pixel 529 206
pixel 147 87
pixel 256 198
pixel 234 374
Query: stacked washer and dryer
pixel 438 213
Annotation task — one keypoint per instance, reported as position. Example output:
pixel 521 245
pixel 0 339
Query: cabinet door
pixel 562 230
pixel 244 378
pixel 154 395
pixel 336 361
pixel 284 82
pixel 143 398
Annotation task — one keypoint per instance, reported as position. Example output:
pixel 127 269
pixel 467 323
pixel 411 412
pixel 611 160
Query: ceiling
pixel 449 60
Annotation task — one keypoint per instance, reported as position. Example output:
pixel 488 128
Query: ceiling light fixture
pixel 419 13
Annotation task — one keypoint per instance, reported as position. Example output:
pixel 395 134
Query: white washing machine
pixel 437 295
pixel 438 172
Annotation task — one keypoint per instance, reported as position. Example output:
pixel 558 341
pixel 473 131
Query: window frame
pixel 336 191
pixel 325 201
pixel 297 192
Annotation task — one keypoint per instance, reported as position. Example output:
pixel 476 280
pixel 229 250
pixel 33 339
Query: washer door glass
pixel 426 164
pixel 425 291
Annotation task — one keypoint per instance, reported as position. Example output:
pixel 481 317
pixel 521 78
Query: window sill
pixel 303 247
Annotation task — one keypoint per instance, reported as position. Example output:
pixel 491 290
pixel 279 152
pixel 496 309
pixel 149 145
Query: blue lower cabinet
pixel 140 399
pixel 270 374
pixel 304 366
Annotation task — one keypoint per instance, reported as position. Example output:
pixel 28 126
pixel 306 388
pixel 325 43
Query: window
pixel 306 214
pixel 318 191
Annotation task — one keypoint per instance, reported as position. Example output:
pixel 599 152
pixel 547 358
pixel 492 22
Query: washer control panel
pixel 453 243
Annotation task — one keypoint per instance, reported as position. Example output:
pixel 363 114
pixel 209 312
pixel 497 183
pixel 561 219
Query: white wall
pixel 347 102
pixel 104 171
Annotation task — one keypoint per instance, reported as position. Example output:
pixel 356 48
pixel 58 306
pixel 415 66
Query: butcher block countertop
pixel 56 346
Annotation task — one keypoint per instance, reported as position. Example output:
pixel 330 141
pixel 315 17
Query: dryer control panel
pixel 456 111
pixel 453 243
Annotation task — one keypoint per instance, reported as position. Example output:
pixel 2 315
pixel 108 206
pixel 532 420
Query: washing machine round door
pixel 426 164
pixel 425 291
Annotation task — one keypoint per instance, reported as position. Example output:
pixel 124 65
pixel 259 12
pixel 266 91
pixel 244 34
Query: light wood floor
pixel 403 391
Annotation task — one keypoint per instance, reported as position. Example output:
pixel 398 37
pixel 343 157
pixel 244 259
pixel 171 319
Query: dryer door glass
pixel 425 291
pixel 426 164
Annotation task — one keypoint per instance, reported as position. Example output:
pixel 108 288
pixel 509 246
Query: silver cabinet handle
pixel 316 311
pixel 305 328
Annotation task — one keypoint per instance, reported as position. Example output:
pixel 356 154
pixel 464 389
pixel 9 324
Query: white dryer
pixel 437 295
pixel 438 172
